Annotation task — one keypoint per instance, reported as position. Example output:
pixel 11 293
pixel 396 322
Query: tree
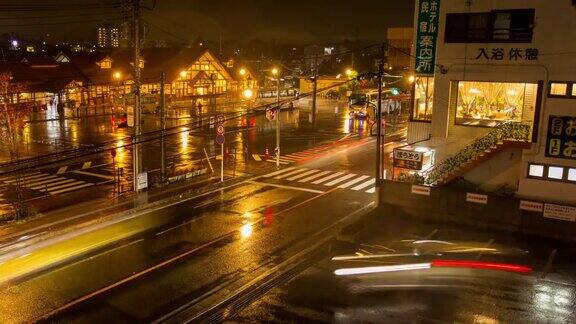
pixel 13 116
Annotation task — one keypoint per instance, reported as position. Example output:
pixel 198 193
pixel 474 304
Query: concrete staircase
pixel 486 155
pixel 505 136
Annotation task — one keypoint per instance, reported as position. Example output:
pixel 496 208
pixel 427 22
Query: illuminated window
pixel 105 64
pixel 572 174
pixel 573 90
pixel 487 104
pixel 536 170
pixel 558 88
pixel 555 172
pixel 423 98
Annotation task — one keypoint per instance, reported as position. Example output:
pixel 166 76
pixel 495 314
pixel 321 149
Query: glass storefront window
pixel 558 89
pixel 488 104
pixel 423 97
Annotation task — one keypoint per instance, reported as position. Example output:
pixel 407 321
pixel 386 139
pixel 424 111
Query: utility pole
pixel 278 120
pixel 379 130
pixel 314 90
pixel 137 163
pixel 163 124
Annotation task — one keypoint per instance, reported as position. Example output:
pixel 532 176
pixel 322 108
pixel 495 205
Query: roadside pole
pixel 222 163
pixel 163 126
pixel 135 146
pixel 278 120
pixel 378 175
pixel 314 90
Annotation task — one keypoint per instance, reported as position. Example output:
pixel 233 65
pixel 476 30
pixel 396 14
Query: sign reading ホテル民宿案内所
pixel 426 35
pixel 561 137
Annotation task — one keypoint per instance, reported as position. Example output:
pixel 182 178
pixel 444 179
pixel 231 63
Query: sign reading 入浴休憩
pixel 561 137
pixel 426 35
pixel 508 55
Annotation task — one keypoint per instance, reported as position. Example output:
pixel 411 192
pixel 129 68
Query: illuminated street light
pixel 247 93
pixel 275 71
pixel 349 72
pixel 242 71
pixel 183 73
pixel 117 75
pixel 411 79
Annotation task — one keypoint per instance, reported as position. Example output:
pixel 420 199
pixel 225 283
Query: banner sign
pixel 426 35
pixel 566 213
pixel 476 198
pixel 561 137
pixel 420 190
pixel 408 159
pixel 531 206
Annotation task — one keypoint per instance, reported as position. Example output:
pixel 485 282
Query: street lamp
pixel 247 93
pixel 411 79
pixel 117 75
pixel 242 72
pixel 276 73
pixel 183 74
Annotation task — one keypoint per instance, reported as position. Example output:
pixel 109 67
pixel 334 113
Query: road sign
pixel 212 120
pixel 220 129
pixel 220 139
pixel 270 114
pixel 220 119
pixel 130 116
pixel 142 182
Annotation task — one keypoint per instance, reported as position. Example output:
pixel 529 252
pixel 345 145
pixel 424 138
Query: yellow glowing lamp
pixel 183 73
pixel 247 93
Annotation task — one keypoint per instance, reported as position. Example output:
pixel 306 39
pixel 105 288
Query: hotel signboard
pixel 426 35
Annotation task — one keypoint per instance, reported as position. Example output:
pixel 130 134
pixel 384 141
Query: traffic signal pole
pixel 163 125
pixel 378 175
pixel 278 120
pixel 137 131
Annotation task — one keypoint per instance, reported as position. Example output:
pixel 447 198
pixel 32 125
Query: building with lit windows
pixel 102 37
pixel 114 37
pixel 83 80
pixel 494 96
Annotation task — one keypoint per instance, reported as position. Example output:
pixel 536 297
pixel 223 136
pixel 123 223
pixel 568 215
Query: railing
pixel 505 131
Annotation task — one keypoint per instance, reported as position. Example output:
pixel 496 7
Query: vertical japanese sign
pixel 561 137
pixel 426 35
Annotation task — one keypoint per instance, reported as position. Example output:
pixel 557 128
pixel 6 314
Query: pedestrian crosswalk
pixel 49 184
pixel 309 154
pixel 342 180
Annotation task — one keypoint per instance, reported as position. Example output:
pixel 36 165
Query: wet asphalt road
pixel 426 296
pixel 144 267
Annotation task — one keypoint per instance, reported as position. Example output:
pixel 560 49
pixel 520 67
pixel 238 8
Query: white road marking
pixel 353 181
pixel 346 177
pixel 94 174
pixel 291 173
pixel 278 172
pixel 62 169
pixel 70 189
pixel 371 190
pixel 315 176
pixel 26 178
pixel 337 174
pixel 66 185
pixel 59 182
pixel 286 187
pixel 39 181
pixel 281 162
pixel 44 182
pixel 301 175
pixel 27 175
pixel 365 184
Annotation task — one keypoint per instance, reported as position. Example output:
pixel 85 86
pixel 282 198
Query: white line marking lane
pixel 286 187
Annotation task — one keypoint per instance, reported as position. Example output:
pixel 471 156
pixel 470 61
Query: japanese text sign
pixel 561 137
pixel 407 159
pixel 426 35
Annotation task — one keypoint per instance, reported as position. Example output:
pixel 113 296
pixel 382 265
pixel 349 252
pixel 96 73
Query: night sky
pixel 301 21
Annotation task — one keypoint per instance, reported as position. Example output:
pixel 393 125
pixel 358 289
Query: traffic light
pixel 395 91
